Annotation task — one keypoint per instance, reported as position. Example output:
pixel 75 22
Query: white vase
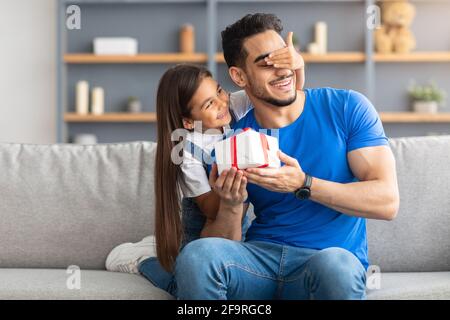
pixel 134 106
pixel 425 106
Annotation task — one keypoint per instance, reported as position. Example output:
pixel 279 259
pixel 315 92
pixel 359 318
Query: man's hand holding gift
pixel 288 178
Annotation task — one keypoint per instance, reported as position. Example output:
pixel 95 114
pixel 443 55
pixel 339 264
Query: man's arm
pixel 376 196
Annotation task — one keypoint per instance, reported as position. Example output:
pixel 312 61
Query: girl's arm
pixel 208 203
pixel 232 189
pixel 196 185
pixel 214 228
pixel 300 75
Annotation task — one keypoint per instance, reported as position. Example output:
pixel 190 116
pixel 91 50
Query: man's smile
pixel 285 84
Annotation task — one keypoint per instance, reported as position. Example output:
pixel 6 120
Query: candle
pixel 313 48
pixel 98 100
pixel 82 97
pixel 321 36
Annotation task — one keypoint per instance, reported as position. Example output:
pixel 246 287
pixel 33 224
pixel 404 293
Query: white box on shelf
pixel 248 149
pixel 115 46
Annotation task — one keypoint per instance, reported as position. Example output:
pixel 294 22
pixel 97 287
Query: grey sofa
pixel 69 205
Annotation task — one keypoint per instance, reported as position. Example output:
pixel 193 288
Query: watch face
pixel 303 193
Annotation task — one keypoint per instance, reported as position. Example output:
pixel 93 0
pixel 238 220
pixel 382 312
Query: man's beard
pixel 261 94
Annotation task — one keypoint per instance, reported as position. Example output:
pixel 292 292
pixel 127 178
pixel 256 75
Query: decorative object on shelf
pixel 134 105
pixel 115 46
pixel 394 35
pixel 313 48
pixel 425 106
pixel 85 138
pixel 98 101
pixel 187 38
pixel 319 46
pixel 321 36
pixel 427 98
pixel 82 97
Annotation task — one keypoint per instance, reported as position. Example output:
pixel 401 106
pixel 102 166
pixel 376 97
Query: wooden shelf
pixel 140 58
pixel 386 117
pixel 112 117
pixel 414 57
pixel 330 57
pixel 413 117
pixel 85 58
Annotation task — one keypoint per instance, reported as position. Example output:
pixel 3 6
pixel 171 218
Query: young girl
pixel 186 94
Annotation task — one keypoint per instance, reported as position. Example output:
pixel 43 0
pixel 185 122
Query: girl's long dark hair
pixel 175 91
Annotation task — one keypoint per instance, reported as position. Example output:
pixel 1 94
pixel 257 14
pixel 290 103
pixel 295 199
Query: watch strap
pixel 308 181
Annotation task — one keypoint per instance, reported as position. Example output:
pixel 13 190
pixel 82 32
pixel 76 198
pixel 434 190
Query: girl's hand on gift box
pixel 287 57
pixel 288 178
pixel 231 185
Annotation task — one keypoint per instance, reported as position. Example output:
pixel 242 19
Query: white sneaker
pixel 127 256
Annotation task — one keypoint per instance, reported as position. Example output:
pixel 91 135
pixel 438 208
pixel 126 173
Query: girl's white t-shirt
pixel 195 179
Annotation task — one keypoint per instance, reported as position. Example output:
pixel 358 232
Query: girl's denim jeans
pixel 193 222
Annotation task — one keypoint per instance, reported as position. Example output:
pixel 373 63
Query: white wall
pixel 28 71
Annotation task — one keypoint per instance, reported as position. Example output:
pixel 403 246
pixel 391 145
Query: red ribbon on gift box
pixel 264 144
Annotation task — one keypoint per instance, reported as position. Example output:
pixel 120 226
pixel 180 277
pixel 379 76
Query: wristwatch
pixel 304 192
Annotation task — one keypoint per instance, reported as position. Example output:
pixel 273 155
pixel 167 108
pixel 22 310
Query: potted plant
pixel 426 98
pixel 134 105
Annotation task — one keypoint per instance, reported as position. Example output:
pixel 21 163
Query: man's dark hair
pixel 234 35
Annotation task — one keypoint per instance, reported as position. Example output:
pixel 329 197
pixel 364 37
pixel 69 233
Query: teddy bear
pixel 394 34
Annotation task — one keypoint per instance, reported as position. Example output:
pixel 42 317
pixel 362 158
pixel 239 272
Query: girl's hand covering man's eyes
pixel 287 57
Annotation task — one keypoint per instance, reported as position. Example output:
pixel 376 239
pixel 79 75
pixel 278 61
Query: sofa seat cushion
pixel 51 284
pixel 412 285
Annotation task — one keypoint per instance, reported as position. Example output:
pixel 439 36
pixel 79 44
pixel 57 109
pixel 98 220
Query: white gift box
pixel 248 149
pixel 115 46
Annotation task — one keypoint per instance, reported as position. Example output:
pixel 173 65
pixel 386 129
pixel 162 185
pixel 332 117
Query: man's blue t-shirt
pixel 333 122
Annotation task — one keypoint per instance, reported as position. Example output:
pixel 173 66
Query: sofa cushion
pixel 417 285
pixel 51 284
pixel 418 238
pixel 68 204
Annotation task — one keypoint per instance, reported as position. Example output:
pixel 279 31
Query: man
pixel 308 240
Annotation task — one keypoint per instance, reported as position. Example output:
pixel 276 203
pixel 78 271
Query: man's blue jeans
pixel 217 268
